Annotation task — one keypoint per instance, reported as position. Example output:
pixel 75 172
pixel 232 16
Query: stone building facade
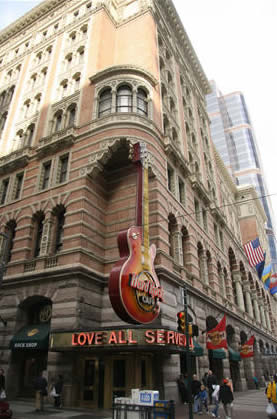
pixel 81 82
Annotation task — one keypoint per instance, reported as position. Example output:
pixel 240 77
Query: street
pixel 247 405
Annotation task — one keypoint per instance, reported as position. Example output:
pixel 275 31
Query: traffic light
pixel 181 322
pixel 195 330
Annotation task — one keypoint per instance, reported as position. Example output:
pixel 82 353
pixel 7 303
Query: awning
pixel 218 353
pixel 197 350
pixel 234 355
pixel 31 337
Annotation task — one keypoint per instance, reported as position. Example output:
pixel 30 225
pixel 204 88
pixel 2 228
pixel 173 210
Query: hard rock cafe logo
pixel 147 293
pixel 216 337
pixel 246 349
pixel 33 332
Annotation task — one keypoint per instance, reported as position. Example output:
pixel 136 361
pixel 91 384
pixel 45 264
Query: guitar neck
pixel 142 215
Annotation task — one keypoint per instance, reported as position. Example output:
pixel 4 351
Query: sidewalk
pixel 247 405
pixel 26 409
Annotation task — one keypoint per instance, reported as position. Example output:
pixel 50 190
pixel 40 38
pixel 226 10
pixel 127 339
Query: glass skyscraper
pixel 233 136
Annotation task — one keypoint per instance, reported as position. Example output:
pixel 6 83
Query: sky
pixel 235 42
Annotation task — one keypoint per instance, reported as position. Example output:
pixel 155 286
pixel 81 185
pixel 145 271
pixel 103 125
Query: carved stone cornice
pixel 29 18
pixel 15 160
pixel 55 142
pixel 173 153
pixel 218 215
pixel 197 185
pixel 176 26
pixel 123 69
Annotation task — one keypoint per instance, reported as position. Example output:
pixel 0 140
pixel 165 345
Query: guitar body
pixel 134 305
pixel 134 287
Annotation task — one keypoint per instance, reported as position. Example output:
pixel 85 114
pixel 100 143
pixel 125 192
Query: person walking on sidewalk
pixel 272 392
pixel 226 397
pixel 195 390
pixel 59 388
pixel 215 396
pixel 41 391
pixel 211 380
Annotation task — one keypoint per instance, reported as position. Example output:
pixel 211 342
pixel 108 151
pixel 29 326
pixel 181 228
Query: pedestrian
pixel 40 385
pixel 2 384
pixel 211 380
pixel 203 399
pixel 205 379
pixel 272 392
pixel 181 387
pixel 195 390
pixel 226 397
pixel 215 396
pixel 59 388
pixel 256 382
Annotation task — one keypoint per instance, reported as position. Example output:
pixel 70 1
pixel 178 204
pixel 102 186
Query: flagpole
pixel 188 353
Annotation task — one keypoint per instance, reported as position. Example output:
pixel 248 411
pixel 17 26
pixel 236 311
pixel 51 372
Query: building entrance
pixel 107 377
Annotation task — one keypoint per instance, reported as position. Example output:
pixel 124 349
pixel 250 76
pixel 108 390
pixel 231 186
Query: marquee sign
pixel 118 338
pixel 134 288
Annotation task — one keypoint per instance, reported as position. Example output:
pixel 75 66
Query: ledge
pixel 123 69
pixel 55 142
pixel 15 160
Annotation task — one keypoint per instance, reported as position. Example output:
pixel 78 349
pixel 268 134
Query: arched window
pixel 124 99
pixel 30 134
pixel 57 121
pixel 39 219
pixel 59 230
pixel 105 102
pixel 3 121
pixel 71 114
pixel 63 88
pixel 142 105
pixel 77 79
pixel 10 232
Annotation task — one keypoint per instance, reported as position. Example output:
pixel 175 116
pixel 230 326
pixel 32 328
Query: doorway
pixel 107 377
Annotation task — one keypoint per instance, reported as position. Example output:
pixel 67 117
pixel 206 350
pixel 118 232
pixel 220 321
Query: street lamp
pixel 188 353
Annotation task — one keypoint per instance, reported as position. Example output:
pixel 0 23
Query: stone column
pixel 222 283
pixel 262 316
pixel 249 307
pixel 267 319
pixel 177 247
pixel 113 100
pixel 256 309
pixel 203 268
pixel 237 280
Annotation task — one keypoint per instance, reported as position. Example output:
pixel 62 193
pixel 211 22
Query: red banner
pixel 247 349
pixel 216 338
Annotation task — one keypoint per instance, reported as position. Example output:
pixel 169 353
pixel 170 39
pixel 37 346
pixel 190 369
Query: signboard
pixel 118 338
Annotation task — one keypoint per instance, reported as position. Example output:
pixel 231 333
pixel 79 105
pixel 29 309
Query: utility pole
pixel 3 243
pixel 188 353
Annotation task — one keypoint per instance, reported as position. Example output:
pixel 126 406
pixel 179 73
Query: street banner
pixel 216 338
pixel 247 349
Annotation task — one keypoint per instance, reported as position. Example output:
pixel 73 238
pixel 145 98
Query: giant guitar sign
pixel 134 288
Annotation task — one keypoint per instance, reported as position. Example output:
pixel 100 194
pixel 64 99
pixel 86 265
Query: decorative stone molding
pixel 108 147
pixel 55 142
pixel 15 160
pixel 117 70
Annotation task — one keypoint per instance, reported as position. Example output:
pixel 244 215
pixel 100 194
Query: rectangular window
pixel 62 169
pixel 46 169
pixel 216 233
pixel 18 185
pixel 205 222
pixel 221 240
pixel 4 191
pixel 181 186
pixel 170 179
pixel 197 211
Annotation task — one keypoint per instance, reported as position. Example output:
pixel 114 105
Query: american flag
pixel 254 252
